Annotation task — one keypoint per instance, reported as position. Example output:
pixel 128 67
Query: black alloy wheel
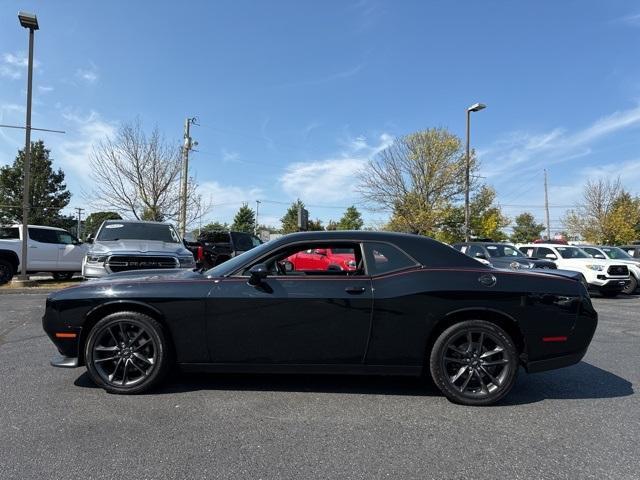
pixel 127 352
pixel 6 272
pixel 474 362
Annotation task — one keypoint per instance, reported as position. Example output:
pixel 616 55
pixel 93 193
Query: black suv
pixel 502 255
pixel 214 248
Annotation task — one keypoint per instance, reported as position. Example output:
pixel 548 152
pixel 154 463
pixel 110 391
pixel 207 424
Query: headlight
pixel 96 258
pixel 186 261
pixel 597 268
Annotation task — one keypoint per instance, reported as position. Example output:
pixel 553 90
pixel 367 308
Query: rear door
pixel 43 250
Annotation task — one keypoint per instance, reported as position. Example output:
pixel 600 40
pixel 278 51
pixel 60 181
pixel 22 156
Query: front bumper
pixel 61 361
pixel 609 284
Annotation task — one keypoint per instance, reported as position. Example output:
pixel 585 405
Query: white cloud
pixel 536 151
pixel 226 199
pixel 632 19
pixel 229 156
pixel 331 179
pixel 83 133
pixel 13 65
pixel 88 75
pixel 45 88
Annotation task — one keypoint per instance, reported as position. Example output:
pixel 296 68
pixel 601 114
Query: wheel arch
pixel 98 312
pixel 498 317
pixel 11 257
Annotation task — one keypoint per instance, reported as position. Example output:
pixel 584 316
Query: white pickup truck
pixel 52 250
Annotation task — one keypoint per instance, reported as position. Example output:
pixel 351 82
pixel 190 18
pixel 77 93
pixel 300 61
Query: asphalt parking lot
pixel 579 422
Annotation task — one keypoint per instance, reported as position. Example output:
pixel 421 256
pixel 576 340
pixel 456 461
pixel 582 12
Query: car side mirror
pixel 481 255
pixel 320 251
pixel 258 273
pixel 600 256
pixel 89 239
pixel 550 256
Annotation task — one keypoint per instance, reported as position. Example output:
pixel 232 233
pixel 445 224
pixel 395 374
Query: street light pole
pixel 467 167
pixel 29 21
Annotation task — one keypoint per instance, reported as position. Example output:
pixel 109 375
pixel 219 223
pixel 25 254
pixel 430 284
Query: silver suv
pixel 122 245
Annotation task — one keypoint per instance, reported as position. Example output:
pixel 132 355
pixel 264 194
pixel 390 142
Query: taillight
pixel 200 254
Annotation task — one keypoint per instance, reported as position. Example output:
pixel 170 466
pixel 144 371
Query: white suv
pixel 609 277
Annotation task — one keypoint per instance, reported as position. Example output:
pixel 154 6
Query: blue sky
pixel 294 96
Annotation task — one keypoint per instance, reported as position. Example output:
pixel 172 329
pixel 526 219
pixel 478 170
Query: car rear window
pixel 9 233
pixel 384 258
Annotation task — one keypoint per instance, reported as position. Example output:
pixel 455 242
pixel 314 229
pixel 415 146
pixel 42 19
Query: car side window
pixel 542 252
pixel 593 252
pixel 385 258
pixel 64 238
pixel 9 233
pixel 43 235
pixel 476 251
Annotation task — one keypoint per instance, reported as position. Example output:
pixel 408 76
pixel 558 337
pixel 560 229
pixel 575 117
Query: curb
pixel 27 290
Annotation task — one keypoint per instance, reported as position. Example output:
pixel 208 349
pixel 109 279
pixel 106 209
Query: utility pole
pixel 258 202
pixel 79 210
pixel 184 194
pixel 546 206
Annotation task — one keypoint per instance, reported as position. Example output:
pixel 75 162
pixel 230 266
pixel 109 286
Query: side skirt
pixel 409 370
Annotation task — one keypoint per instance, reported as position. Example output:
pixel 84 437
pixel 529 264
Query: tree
pixel 94 220
pixel 139 175
pixel 607 215
pixel 486 219
pixel 216 227
pixel 290 219
pixel 418 179
pixel 315 225
pixel 245 220
pixel 526 228
pixel 351 220
pixel 48 193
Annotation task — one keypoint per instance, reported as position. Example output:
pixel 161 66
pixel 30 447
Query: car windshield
pixel 572 252
pixel 500 250
pixel 235 263
pixel 138 231
pixel 617 253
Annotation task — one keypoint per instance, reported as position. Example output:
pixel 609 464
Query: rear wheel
pixel 474 362
pixel 6 272
pixel 62 275
pixel 127 352
pixel 631 286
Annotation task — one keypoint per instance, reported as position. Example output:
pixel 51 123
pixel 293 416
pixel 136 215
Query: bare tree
pixel 139 175
pixel 417 178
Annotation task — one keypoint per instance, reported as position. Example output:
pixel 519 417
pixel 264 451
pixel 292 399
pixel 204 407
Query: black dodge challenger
pixel 410 306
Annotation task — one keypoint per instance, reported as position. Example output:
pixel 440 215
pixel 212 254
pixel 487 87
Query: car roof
pixel 34 226
pixel 136 221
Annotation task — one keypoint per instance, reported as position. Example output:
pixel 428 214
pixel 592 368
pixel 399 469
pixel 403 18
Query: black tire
pixel 6 271
pixel 631 286
pixel 478 354
pixel 62 275
pixel 131 345
pixel 609 293
pixel 334 268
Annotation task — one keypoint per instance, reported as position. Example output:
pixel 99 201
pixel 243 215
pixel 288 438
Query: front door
pixel 291 317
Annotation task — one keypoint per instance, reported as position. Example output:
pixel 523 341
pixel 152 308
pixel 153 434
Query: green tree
pixel 152 214
pixel 331 226
pixel 526 229
pixel 315 225
pixel 419 178
pixel 215 227
pixel 94 220
pixel 351 220
pixel 48 193
pixel 290 219
pixel 245 220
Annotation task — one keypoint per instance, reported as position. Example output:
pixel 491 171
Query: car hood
pixel 149 275
pixel 137 247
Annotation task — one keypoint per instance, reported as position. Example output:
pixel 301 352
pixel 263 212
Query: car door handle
pixel 355 290
pixel 32 246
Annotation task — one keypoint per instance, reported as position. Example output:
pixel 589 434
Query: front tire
pixel 474 362
pixel 6 272
pixel 127 353
pixel 631 287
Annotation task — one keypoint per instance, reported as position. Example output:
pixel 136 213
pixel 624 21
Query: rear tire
pixel 6 272
pixel 127 353
pixel 631 287
pixel 474 363
pixel 62 275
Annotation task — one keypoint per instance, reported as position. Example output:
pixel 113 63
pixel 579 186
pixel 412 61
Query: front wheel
pixel 127 352
pixel 6 272
pixel 474 362
pixel 631 286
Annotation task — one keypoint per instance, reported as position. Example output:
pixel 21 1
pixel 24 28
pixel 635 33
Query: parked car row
pixel 608 270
